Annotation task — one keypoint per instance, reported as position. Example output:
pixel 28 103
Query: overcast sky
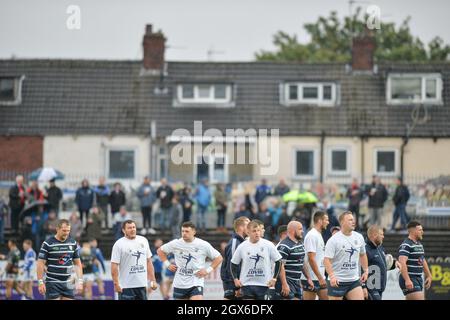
pixel 233 29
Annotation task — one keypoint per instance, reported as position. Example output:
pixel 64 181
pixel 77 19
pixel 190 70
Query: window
pixel 414 88
pixel 304 163
pixel 121 164
pixel 214 168
pixel 386 161
pixel 206 94
pixel 321 94
pixel 339 161
pixel 11 90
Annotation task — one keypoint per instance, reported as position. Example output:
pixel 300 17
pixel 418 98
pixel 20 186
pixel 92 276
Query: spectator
pixel 281 188
pixel 400 199
pixel 284 218
pixel 355 195
pixel 84 199
pixel 54 196
pixel 165 195
pixel 39 217
pixel 175 214
pixel 186 202
pixel 262 191
pixel 34 193
pixel 243 212
pixel 147 198
pixel 377 197
pixel 3 215
pixel 94 223
pixel 221 198
pixel 17 198
pixel 49 226
pixel 117 198
pixel 102 198
pixel 119 218
pixel 76 227
pixel 26 229
pixel 265 217
pixel 301 213
pixel 203 198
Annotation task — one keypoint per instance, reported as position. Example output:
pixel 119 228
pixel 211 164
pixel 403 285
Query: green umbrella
pixel 307 197
pixel 290 196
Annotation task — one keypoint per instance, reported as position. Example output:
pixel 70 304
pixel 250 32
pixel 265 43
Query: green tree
pixel 331 42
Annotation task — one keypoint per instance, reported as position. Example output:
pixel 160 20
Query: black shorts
pixel 315 289
pixel 229 290
pixel 186 293
pixel 255 292
pixel 133 294
pixel 294 287
pixel 343 288
pixel 158 277
pixel 417 284
pixel 55 290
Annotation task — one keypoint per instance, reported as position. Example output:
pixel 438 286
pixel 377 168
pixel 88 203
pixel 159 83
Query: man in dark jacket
pixel 262 191
pixel 355 195
pixel 231 292
pixel 117 198
pixel 281 188
pixel 17 198
pixel 54 196
pixel 164 194
pixel 84 199
pixel 147 198
pixel 401 197
pixel 377 197
pixel 102 198
pixel 378 264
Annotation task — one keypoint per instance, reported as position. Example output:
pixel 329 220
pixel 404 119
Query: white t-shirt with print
pixel 344 252
pixel 131 255
pixel 190 257
pixel 257 260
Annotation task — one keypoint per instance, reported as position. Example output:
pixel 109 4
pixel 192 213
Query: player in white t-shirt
pixel 256 257
pixel 190 268
pixel 315 253
pixel 345 254
pixel 131 265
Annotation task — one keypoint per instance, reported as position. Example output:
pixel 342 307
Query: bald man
pixel 293 256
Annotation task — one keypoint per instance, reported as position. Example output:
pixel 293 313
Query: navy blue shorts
pixel 56 290
pixel 254 292
pixel 343 288
pixel 186 293
pixel 417 284
pixel 294 287
pixel 133 294
pixel 315 289
pixel 229 290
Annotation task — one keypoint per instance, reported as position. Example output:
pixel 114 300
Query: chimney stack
pixel 154 45
pixel 363 50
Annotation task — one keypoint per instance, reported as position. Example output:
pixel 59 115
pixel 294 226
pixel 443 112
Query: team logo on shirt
pixel 350 265
pixel 64 259
pixel 184 270
pixel 255 271
pixel 138 255
pixel 137 268
pixel 188 259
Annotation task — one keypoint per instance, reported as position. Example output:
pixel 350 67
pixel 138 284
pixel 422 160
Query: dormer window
pixel 11 90
pixel 214 95
pixel 309 93
pixel 414 88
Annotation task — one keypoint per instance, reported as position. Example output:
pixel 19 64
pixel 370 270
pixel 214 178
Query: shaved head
pixel 295 230
pixel 293 225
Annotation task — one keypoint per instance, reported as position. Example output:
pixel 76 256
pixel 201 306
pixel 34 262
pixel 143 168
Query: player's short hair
pixel 319 215
pixel 28 242
pixel 127 222
pixel 239 222
pixel 253 224
pixel 188 224
pixel 413 224
pixel 13 241
pixel 281 229
pixel 373 229
pixel 259 222
pixel 62 222
pixel 343 214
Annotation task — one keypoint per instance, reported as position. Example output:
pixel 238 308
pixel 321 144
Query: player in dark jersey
pixel 59 254
pixel 12 268
pixel 413 264
pixel 88 261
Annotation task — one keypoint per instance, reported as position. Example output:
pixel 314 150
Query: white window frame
pixel 285 100
pixel 107 169
pixel 210 100
pixel 315 152
pixel 211 166
pixel 396 161
pixel 424 77
pixel 332 172
pixel 17 92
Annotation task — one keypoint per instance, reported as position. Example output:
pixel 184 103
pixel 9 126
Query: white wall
pixel 86 155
